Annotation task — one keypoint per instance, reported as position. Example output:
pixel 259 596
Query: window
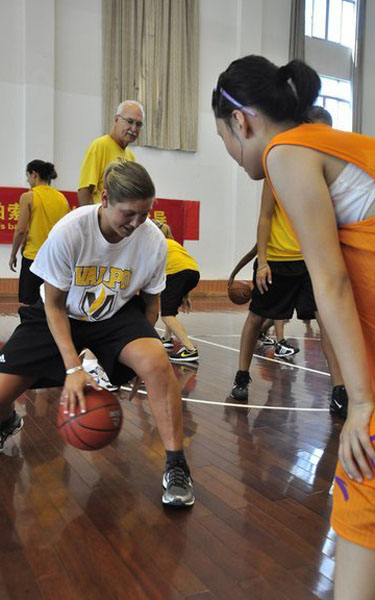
pixel 332 20
pixel 336 97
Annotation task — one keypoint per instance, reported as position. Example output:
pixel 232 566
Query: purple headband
pixel 249 111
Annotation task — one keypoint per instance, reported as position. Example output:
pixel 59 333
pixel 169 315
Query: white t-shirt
pixel 353 194
pixel 99 276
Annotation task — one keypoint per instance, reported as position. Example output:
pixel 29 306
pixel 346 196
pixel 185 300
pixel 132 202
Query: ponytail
pixel 285 93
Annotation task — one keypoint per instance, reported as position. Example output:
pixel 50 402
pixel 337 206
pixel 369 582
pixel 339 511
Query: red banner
pixel 181 215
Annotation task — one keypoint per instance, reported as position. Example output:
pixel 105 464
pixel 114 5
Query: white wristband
pixel 74 370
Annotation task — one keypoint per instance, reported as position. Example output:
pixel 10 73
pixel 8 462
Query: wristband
pixel 74 370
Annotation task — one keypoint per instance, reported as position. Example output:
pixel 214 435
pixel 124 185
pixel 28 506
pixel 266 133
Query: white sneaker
pixel 101 379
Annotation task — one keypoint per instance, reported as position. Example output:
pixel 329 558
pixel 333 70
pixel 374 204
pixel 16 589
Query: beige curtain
pixel 297 30
pixel 357 65
pixel 150 54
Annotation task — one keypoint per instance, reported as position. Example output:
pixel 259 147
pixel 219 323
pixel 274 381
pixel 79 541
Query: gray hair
pixel 122 105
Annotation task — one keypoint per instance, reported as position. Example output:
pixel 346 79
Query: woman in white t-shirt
pixel 103 268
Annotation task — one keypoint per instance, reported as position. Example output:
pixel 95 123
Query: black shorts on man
pixel 291 289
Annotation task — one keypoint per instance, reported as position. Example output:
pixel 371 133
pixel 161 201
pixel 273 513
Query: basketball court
pixel 87 525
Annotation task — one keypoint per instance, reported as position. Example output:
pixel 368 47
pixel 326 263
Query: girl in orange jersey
pixel 40 209
pixel 324 181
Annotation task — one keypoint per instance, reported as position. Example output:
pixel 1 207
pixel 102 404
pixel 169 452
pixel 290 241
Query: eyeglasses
pixel 138 124
pixel 235 103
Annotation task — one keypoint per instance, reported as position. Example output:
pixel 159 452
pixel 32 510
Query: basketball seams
pixel 72 418
pixel 89 447
pixel 95 428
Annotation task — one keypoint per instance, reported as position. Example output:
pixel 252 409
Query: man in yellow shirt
pixel 128 122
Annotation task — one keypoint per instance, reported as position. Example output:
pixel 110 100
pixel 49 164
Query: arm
pixel 298 178
pixel 264 275
pixel 59 326
pixel 21 228
pixel 85 195
pixel 243 262
pixel 152 306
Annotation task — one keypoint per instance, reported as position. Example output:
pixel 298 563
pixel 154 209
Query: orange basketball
pixel 95 428
pixel 240 292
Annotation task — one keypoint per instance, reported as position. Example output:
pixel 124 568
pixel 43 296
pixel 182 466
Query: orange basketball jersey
pixel 353 515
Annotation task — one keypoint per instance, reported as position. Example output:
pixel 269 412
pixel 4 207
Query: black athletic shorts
pixel 291 289
pixel 176 287
pixel 32 351
pixel 29 284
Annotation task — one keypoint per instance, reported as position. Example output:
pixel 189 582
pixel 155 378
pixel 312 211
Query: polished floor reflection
pixel 90 525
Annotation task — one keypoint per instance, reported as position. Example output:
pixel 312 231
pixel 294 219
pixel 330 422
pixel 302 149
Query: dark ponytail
pixel 45 170
pixel 285 93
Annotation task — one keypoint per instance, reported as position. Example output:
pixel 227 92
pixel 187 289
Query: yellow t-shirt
pixel 100 153
pixel 282 244
pixel 48 206
pixel 178 258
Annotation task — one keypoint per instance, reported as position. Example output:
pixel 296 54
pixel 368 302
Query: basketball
pixel 95 428
pixel 240 292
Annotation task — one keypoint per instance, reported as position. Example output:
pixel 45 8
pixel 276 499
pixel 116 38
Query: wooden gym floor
pixel 90 525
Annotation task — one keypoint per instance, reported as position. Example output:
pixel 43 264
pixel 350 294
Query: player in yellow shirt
pixel 182 276
pixel 128 122
pixel 40 209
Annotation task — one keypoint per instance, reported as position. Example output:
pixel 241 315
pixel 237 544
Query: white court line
pixel 280 362
pixel 236 405
pixel 274 360
pixel 237 335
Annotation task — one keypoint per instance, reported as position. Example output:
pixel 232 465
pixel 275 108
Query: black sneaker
pixel 339 402
pixel 283 349
pixel 167 342
pixel 184 355
pixel 10 427
pixel 178 486
pixel 266 340
pixel 240 389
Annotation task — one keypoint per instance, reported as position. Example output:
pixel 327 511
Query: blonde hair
pixel 164 228
pixel 126 180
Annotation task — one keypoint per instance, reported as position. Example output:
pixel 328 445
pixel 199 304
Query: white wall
pixel 50 108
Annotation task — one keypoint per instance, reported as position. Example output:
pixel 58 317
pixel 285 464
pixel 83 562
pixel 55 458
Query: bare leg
pixel 333 365
pixel 279 328
pixel 249 338
pixel 167 331
pixel 267 324
pixel 11 386
pixel 147 357
pixel 179 331
pixel 355 572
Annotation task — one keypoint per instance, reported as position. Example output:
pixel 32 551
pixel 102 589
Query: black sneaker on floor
pixel 240 389
pixel 283 349
pixel 184 355
pixel 266 340
pixel 339 402
pixel 10 427
pixel 178 486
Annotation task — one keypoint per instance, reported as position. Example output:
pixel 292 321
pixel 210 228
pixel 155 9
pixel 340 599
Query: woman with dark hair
pixel 323 181
pixel 40 209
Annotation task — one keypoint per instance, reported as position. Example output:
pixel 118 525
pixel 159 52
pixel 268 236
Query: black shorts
pixel 29 284
pixel 177 286
pixel 291 289
pixel 32 351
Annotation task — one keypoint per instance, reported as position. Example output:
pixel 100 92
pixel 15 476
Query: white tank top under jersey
pixel 100 277
pixel 353 194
